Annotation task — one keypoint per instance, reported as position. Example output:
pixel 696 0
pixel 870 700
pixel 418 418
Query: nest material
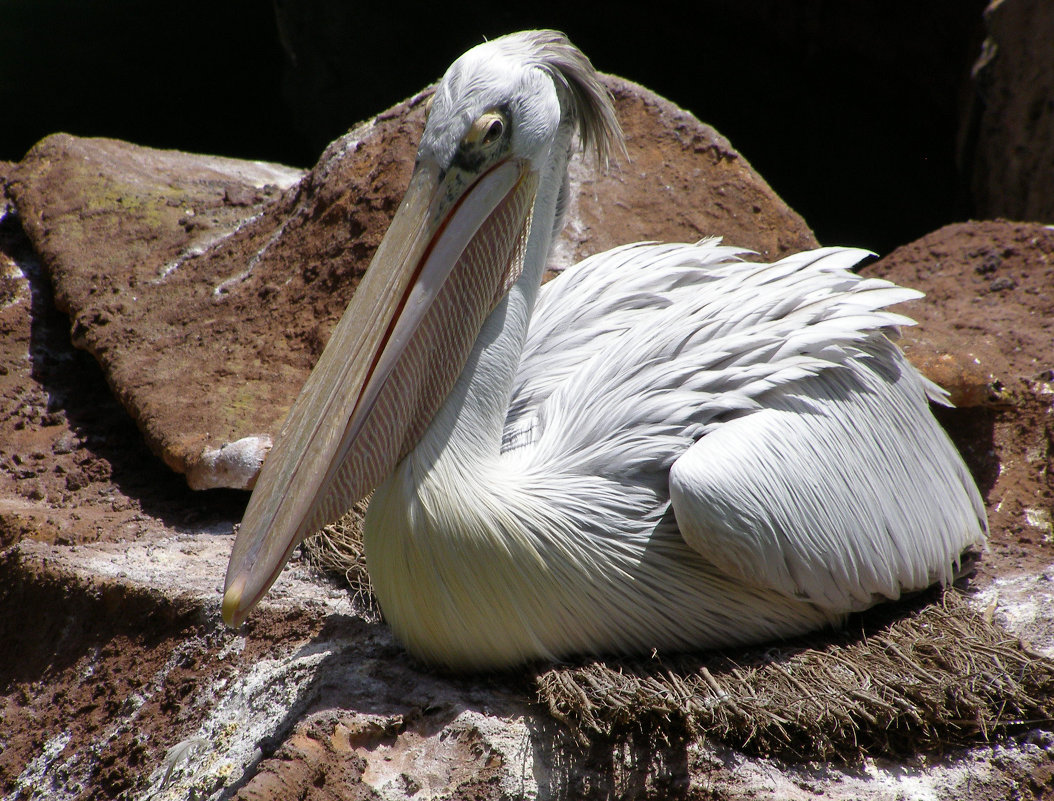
pixel 337 551
pixel 940 676
pixel 893 682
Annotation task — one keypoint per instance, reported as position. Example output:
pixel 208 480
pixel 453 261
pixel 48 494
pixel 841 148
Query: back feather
pixel 659 341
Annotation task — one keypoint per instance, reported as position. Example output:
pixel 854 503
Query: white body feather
pixel 808 478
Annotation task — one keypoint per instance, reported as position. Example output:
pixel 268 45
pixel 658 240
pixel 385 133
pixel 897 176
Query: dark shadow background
pixel 851 111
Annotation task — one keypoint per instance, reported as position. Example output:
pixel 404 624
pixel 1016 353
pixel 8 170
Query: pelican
pixel 666 447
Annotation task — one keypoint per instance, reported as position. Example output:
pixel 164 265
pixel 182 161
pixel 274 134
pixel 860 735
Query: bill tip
pixel 233 613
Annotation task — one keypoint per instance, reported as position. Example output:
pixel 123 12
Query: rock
pixel 115 225
pixel 680 181
pixel 849 109
pixel 235 464
pixel 206 294
pixel 1011 161
pixel 65 438
pixel 987 321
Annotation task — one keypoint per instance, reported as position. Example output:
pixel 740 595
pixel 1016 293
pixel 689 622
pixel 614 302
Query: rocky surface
pixel 119 228
pixel 1009 145
pixel 117 679
pixel 986 286
pixel 206 288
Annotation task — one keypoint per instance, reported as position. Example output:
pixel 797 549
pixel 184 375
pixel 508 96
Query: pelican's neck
pixel 468 426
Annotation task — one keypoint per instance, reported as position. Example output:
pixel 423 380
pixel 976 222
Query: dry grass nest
pixel 924 675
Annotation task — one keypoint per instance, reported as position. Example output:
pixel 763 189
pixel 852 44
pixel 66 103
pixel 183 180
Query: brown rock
pixel 206 295
pixel 1012 164
pixel 115 225
pixel 128 685
pixel 679 182
pixel 73 466
pixel 987 320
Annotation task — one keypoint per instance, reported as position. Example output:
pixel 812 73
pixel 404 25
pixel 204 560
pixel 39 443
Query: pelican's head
pixel 511 95
pixel 498 129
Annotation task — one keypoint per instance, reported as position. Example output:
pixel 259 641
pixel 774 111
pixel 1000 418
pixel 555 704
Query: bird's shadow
pixel 972 429
pixel 366 673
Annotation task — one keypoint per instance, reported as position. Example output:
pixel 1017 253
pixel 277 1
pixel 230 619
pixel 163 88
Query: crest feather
pixel 589 100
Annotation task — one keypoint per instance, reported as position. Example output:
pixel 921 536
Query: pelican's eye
pixel 487 130
pixel 495 128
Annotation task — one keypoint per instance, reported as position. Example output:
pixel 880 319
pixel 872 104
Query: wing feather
pixel 617 340
pixel 843 493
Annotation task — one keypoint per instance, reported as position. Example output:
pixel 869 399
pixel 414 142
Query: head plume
pixel 584 95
